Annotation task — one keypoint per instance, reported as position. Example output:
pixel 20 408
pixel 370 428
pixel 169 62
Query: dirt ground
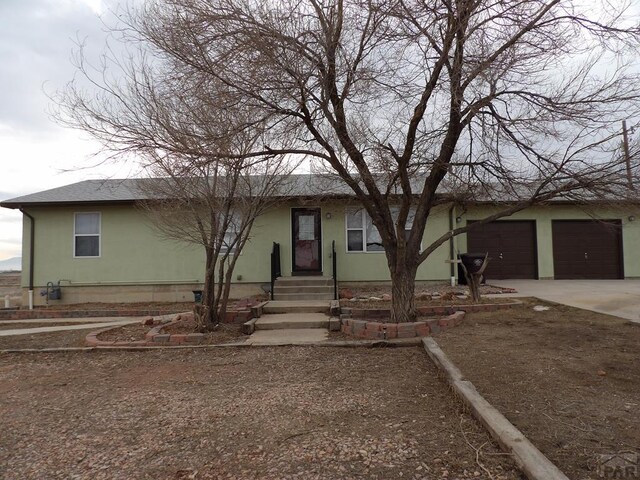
pixel 225 333
pixel 10 285
pixel 268 413
pixel 431 289
pixel 568 378
pixel 171 307
pixel 126 333
pixel 20 325
pixel 69 338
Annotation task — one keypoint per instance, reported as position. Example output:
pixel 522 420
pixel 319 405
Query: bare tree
pixel 213 203
pixel 415 103
pixel 195 139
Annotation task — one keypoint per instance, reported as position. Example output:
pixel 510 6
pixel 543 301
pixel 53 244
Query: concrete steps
pixel 294 336
pixel 284 321
pixel 293 323
pixel 297 306
pixel 301 296
pixel 303 288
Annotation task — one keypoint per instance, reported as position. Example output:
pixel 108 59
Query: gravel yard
pixel 569 379
pixel 268 413
pixel 69 338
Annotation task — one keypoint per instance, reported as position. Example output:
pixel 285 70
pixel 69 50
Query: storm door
pixel 306 243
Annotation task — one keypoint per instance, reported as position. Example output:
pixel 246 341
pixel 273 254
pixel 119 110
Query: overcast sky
pixel 37 38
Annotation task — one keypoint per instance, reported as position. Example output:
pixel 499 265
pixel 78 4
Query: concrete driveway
pixel 620 298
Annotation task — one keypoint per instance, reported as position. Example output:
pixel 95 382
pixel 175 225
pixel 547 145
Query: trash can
pixel 473 262
pixel 197 296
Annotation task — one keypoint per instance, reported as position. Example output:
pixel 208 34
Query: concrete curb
pixel 409 342
pixel 528 458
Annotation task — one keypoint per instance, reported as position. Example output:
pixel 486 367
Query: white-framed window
pixel 231 234
pixel 362 234
pixel 228 239
pixel 86 235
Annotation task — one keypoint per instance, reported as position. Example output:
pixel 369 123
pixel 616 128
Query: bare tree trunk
pixel 204 313
pixel 475 279
pixel 224 298
pixel 403 304
pixel 473 282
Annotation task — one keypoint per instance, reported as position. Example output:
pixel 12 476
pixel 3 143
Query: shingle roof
pixel 88 191
pixel 295 186
pixel 131 190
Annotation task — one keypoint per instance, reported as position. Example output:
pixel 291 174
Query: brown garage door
pixel 587 249
pixel 511 246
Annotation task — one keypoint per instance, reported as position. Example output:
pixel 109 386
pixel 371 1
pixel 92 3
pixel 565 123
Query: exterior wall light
pixel 632 218
pixel 328 215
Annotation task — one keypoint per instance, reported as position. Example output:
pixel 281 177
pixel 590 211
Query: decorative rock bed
pixel 156 336
pixel 427 310
pixel 361 322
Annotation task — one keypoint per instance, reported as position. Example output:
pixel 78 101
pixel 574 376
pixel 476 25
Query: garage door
pixel 511 246
pixel 587 249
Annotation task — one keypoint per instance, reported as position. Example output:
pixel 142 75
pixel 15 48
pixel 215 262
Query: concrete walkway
pixel 61 328
pixel 298 328
pixel 292 336
pixel 620 298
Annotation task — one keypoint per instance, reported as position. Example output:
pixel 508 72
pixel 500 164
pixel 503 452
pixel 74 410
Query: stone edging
pixel 427 310
pixel 528 458
pixel 156 337
pixel 383 331
pixel 153 338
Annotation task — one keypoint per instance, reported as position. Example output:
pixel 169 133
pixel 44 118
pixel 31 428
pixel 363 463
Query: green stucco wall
pixel 133 252
pixel 544 215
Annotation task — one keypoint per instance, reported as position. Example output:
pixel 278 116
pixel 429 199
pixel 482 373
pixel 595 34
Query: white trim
pixel 99 234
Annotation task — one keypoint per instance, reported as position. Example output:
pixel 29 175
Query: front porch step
pixel 287 289
pixel 284 321
pixel 310 281
pixel 301 296
pixel 303 288
pixel 297 306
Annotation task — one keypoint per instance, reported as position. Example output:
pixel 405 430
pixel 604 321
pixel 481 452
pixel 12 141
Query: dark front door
pixel 587 249
pixel 511 245
pixel 306 245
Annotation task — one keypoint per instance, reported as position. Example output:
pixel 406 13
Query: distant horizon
pixel 10 261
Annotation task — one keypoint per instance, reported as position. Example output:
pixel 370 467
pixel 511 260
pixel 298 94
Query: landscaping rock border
pixel 157 337
pixel 372 330
pixel 92 337
pixel 427 310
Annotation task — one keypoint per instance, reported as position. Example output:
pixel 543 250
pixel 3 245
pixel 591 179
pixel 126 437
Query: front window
pixel 362 234
pixel 230 238
pixel 86 235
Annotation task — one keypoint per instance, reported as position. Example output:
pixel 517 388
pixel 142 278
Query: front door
pixel 305 223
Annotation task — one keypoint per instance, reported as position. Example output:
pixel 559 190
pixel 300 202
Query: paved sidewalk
pixel 620 298
pixel 293 336
pixel 60 328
